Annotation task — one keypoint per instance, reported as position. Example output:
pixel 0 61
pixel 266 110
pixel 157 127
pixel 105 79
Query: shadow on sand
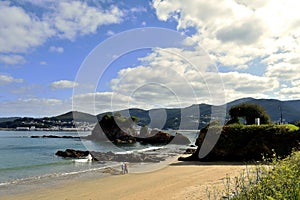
pixel 198 163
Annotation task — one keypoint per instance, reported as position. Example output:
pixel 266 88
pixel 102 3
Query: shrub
pixel 281 181
pixel 274 179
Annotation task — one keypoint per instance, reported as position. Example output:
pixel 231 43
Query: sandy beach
pixel 180 180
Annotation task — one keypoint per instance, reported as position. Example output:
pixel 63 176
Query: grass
pixel 277 180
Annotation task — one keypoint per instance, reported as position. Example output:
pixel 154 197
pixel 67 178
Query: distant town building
pixel 22 128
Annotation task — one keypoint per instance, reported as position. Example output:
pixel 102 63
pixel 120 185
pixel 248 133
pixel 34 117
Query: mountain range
pixel 188 118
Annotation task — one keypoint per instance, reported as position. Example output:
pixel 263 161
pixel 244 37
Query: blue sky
pixel 254 46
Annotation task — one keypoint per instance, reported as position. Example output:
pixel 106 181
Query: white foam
pixel 140 150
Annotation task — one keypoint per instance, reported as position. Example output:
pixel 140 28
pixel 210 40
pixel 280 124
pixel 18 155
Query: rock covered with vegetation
pixel 250 142
pixel 119 130
pixel 239 142
pixel 116 128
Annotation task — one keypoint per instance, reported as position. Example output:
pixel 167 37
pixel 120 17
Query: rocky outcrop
pixel 118 130
pixel 159 137
pixel 71 153
pixel 55 136
pixel 109 156
pixel 246 143
pixel 156 137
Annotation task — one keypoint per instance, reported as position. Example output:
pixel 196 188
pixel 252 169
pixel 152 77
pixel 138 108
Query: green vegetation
pixel 278 176
pixel 279 179
pixel 249 112
pixel 248 142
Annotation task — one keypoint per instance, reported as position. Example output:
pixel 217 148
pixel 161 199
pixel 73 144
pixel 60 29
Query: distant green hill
pixel 184 118
pixel 8 119
pixel 77 116
pixel 290 109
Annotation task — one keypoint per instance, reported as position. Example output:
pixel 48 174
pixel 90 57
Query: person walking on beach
pixel 125 168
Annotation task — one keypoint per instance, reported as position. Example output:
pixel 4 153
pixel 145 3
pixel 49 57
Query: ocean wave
pixel 56 175
pixel 140 150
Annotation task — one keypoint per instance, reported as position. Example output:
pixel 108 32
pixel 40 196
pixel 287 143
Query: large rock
pixel 159 137
pixel 118 130
pixel 71 153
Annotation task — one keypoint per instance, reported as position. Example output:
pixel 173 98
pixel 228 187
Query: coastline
pixel 178 180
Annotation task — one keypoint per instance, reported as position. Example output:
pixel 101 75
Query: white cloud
pixel 245 32
pixel 138 9
pixel 75 18
pixel 12 59
pixel 63 84
pixel 283 71
pixel 56 49
pixel 290 92
pixel 7 79
pixel 166 79
pixel 99 102
pixel 20 31
pixel 235 32
pixel 38 107
pixel 239 85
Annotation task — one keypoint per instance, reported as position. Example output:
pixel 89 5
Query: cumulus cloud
pixel 246 32
pixel 169 78
pixel 239 85
pixel 290 93
pixel 21 30
pixel 283 71
pixel 75 18
pixel 241 34
pixel 236 32
pixel 99 102
pixel 63 84
pixel 7 79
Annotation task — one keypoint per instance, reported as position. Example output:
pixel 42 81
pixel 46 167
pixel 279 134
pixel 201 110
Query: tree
pixel 249 112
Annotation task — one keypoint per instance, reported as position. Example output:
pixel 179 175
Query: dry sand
pixel 180 180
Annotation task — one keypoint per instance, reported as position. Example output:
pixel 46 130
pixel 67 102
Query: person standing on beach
pixel 123 167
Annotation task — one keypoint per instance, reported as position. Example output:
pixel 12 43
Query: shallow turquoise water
pixel 24 158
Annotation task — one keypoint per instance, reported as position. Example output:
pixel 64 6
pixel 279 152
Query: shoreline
pixel 28 184
pixel 177 180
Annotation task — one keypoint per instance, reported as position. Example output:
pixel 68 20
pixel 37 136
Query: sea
pixel 24 160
